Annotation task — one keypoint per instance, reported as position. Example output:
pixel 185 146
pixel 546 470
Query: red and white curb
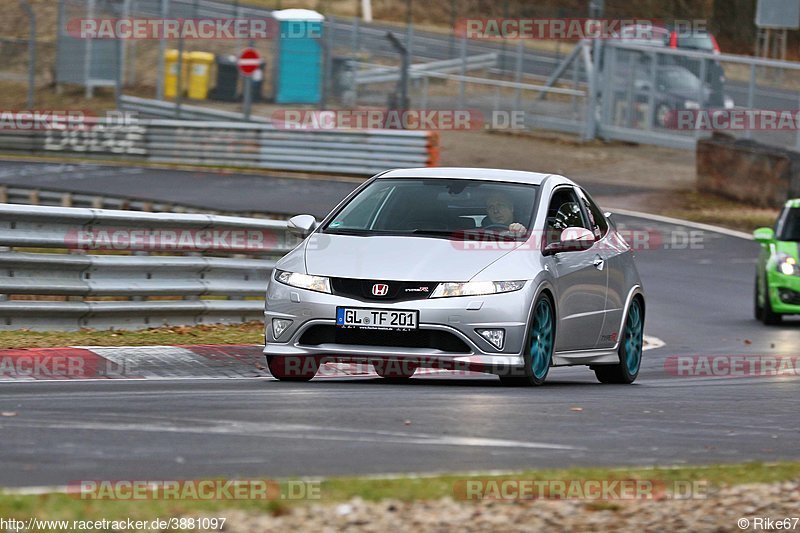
pixel 147 362
pixel 167 362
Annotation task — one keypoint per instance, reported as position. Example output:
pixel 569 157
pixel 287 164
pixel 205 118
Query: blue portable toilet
pixel 298 64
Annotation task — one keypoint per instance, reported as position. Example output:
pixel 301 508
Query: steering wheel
pixel 564 215
pixel 501 226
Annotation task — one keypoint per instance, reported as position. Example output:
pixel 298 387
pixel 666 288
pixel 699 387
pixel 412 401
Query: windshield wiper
pixel 344 231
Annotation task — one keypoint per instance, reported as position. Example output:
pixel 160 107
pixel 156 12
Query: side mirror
pixel 764 235
pixel 572 240
pixel 302 225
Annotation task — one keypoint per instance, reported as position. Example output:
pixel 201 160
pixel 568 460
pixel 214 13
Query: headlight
pixel 475 288
pixel 787 265
pixel 691 104
pixel 304 281
pixel 729 104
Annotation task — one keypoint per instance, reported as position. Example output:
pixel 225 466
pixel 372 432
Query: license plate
pixel 359 317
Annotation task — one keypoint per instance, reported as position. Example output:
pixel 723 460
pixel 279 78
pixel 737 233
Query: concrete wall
pixel 761 175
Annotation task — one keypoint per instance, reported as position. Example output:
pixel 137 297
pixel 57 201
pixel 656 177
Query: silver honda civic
pixel 495 271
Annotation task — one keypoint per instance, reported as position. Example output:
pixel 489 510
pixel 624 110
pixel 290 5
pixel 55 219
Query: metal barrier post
pixel 651 93
pixel 354 35
pixel 751 97
pixel 25 5
pixel 162 49
pixel 518 72
pixel 87 57
pixel 701 100
pixel 629 97
pixel 461 87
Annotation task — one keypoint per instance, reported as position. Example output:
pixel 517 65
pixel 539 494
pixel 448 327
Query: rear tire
pixel 630 350
pixel 538 354
pixel 292 368
pixel 769 317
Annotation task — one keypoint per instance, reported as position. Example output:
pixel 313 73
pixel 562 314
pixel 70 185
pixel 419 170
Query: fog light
pixel 279 325
pixel 496 337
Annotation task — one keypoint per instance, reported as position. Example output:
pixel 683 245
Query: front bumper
pixel 784 293
pixel 458 316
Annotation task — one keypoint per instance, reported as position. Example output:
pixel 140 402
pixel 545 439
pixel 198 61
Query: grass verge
pixel 248 333
pixel 55 506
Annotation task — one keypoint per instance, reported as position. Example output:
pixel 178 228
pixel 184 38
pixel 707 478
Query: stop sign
pixel 249 61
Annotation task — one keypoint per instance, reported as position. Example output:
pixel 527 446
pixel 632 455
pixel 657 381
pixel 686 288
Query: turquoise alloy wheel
pixel 633 338
pixel 538 353
pixel 630 349
pixel 541 340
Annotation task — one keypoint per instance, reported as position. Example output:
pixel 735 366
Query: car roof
pixel 486 174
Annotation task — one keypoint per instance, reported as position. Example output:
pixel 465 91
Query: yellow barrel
pixel 171 74
pixel 200 74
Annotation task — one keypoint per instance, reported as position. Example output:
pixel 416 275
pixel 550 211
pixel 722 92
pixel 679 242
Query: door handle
pixel 599 263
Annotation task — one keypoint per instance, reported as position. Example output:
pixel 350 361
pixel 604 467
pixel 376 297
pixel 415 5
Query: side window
pixel 564 211
pixel 597 221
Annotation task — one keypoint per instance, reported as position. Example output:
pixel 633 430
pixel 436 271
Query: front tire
pixel 769 317
pixel 292 368
pixel 538 354
pixel 630 350
pixel 758 309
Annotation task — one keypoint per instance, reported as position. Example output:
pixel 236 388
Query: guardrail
pixel 205 268
pixel 147 107
pixel 233 144
pixel 10 194
pixel 380 74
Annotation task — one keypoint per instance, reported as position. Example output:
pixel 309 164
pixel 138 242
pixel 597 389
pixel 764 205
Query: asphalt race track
pixel 699 304
pixel 210 190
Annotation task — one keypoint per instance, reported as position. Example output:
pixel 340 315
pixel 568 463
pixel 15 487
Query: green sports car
pixel 778 270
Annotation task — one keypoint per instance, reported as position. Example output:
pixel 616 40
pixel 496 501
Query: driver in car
pixel 500 212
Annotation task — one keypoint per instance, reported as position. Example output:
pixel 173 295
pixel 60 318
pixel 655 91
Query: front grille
pixel 420 338
pixel 397 291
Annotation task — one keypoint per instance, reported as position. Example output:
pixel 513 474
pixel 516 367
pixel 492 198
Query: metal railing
pixel 10 194
pixel 148 108
pixel 222 279
pixel 381 74
pixel 233 144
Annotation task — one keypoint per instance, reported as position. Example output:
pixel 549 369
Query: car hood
pixel 789 248
pixel 400 258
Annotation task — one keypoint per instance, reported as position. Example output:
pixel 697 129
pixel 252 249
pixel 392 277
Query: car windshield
pixel 696 41
pixel 644 34
pixel 437 208
pixel 789 225
pixel 678 79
